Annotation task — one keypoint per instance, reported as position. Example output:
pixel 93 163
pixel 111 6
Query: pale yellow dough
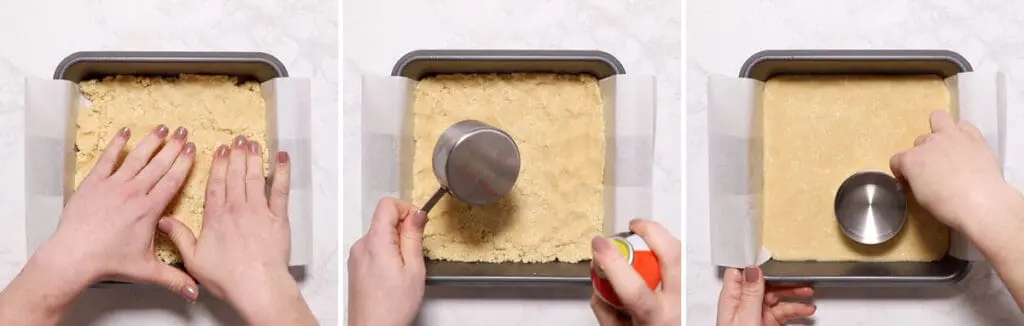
pixel 214 109
pixel 818 130
pixel 556 206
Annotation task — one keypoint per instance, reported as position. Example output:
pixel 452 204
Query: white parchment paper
pixel 52 109
pixel 734 158
pixel 630 104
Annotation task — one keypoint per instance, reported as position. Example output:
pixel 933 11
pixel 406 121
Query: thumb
pixel 411 238
pixel 180 235
pixel 752 297
pixel 175 280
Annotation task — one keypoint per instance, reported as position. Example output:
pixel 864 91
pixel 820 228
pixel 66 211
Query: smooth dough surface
pixel 214 109
pixel 556 205
pixel 818 130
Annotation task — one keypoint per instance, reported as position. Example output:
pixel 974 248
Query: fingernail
pixel 282 158
pixel 598 244
pixel 180 133
pixel 254 147
pixel 222 151
pixel 190 293
pixel 125 132
pixel 751 274
pixel 161 131
pixel 190 148
pixel 239 141
pixel 163 224
pixel 419 218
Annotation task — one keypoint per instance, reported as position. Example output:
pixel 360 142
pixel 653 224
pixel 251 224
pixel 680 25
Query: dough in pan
pixel 214 109
pixel 818 130
pixel 556 205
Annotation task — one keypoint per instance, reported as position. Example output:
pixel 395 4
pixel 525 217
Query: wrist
pixel 262 294
pixel 999 220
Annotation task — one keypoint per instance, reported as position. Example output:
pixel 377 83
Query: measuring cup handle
pixel 434 199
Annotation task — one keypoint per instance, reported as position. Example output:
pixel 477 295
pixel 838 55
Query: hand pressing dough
pixel 556 206
pixel 818 130
pixel 214 109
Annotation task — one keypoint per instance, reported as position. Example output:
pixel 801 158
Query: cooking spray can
pixel 636 252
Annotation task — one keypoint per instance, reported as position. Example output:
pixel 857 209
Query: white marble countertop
pixel 36 35
pixel 722 34
pixel 644 35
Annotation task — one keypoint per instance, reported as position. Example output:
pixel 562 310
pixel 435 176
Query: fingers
pixel 940 121
pixel 255 183
pixel 787 311
pixel 774 296
pixel 236 171
pixel 170 182
pixel 728 299
pixel 180 235
pixel 752 296
pixel 411 241
pixel 667 247
pixel 922 139
pixel 638 299
pixel 108 160
pixel 216 184
pixel 386 217
pixel 280 186
pixel 896 165
pixel 175 280
pixel 970 129
pixel 606 315
pixel 139 157
pixel 163 160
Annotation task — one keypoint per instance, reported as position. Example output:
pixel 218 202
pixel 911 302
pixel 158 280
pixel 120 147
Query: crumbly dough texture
pixel 818 130
pixel 556 205
pixel 214 109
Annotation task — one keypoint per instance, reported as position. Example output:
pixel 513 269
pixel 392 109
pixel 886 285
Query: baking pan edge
pixel 168 56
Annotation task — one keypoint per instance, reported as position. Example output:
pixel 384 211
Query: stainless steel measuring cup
pixel 870 207
pixel 474 162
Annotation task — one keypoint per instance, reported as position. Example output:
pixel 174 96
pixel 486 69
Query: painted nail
pixel 419 218
pixel 751 274
pixel 190 293
pixel 161 131
pixel 254 147
pixel 222 151
pixel 597 244
pixel 180 133
pixel 282 158
pixel 239 141
pixel 125 132
pixel 190 148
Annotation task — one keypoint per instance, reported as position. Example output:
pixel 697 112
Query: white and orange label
pixel 636 252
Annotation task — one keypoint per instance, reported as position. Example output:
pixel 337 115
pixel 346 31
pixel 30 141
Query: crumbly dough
pixel 818 130
pixel 214 109
pixel 556 205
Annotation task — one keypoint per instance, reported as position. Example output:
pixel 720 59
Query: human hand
pixel 387 276
pixel 744 302
pixel 242 253
pixel 106 231
pixel 643 306
pixel 951 171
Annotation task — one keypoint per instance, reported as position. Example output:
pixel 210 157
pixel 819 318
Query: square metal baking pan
pixel 417 65
pixel 81 66
pixel 767 64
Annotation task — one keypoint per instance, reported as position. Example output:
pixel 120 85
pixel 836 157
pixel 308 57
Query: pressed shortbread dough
pixel 214 109
pixel 818 130
pixel 556 205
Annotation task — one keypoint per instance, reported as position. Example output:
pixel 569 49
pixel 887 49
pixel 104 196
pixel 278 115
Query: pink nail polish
pixel 190 149
pixel 282 157
pixel 254 147
pixel 125 132
pixel 222 151
pixel 239 141
pixel 161 131
pixel 180 133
